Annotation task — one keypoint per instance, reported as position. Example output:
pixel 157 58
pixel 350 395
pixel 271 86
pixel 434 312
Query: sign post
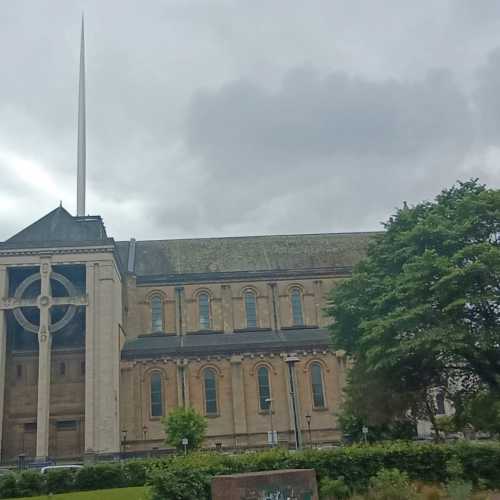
pixel 185 444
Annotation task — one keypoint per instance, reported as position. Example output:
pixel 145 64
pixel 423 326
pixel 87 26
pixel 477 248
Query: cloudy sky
pixel 219 117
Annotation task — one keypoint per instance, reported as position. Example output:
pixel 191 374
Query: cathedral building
pixel 100 339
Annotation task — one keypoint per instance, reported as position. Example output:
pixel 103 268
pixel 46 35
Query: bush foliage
pixel 186 477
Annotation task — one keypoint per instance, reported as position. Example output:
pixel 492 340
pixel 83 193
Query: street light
pixel 270 408
pixel 308 420
pixel 291 360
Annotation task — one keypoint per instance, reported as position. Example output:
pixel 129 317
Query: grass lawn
pixel 114 494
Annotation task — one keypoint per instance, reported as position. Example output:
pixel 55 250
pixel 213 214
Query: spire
pixel 81 160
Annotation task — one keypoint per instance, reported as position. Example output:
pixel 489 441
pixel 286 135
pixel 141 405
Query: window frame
pixel 208 325
pixel 210 369
pixel 161 310
pixel 152 377
pixel 266 407
pixel 296 292
pixel 247 293
pixel 312 366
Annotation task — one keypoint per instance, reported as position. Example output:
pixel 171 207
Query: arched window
pixel 204 311
pixel 210 387
pixel 296 299
pixel 156 395
pixel 251 309
pixel 156 313
pixel 264 388
pixel 317 386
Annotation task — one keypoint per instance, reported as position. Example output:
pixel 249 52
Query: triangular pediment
pixel 59 226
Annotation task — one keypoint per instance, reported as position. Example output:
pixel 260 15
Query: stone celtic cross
pixel 44 330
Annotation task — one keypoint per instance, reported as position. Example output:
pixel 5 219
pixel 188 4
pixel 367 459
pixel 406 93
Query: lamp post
pixel 144 433
pixel 308 420
pixel 124 439
pixel 270 408
pixel 291 360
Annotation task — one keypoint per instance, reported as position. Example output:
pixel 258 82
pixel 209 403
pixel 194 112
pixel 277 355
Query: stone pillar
pixel 274 306
pixel 90 378
pixel 318 301
pixel 238 398
pixel 227 309
pixel 179 307
pixel 4 291
pixel 44 348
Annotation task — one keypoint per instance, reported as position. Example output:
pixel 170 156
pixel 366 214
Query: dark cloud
pixel 212 118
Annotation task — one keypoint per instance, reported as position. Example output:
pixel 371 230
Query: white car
pixel 49 468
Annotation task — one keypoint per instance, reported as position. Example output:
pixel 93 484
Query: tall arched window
pixel 210 387
pixel 251 309
pixel 296 299
pixel 156 313
pixel 156 395
pixel 264 388
pixel 317 386
pixel 204 311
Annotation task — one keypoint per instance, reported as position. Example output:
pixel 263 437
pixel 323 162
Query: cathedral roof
pixel 154 346
pixel 60 228
pixel 165 260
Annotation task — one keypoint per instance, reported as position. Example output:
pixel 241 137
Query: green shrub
pixel 100 477
pixel 29 483
pixel 180 483
pixel 334 489
pixel 391 484
pixel 59 481
pixel 459 490
pixel 8 486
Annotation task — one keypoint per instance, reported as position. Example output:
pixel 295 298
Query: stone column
pixel 44 347
pixel 238 398
pixel 90 446
pixel 318 301
pixel 227 309
pixel 4 291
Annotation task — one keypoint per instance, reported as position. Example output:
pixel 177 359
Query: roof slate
pixel 152 346
pixel 247 254
pixel 59 227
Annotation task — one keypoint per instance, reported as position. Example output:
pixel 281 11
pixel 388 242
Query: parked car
pixel 49 468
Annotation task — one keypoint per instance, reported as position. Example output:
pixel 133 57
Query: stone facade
pixel 234 328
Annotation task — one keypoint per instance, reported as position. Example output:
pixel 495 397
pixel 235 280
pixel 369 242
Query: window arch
pixel 318 393
pixel 157 317
pixel 264 388
pixel 296 302
pixel 250 308
pixel 204 311
pixel 210 390
pixel 156 394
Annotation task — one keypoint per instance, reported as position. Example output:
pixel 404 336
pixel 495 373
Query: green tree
pixel 423 308
pixel 184 423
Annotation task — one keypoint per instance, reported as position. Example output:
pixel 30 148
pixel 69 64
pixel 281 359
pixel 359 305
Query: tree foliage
pixel 423 308
pixel 185 423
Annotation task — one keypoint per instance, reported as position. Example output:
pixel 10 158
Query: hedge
pixel 424 462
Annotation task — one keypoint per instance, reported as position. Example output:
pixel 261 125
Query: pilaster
pixel 90 359
pixel 238 397
pixel 227 309
pixel 4 287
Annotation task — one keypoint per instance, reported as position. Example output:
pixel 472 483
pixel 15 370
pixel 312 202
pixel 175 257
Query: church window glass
pixel 317 386
pixel 156 313
pixel 264 388
pixel 210 383
pixel 296 299
pixel 204 311
pixel 156 395
pixel 251 309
